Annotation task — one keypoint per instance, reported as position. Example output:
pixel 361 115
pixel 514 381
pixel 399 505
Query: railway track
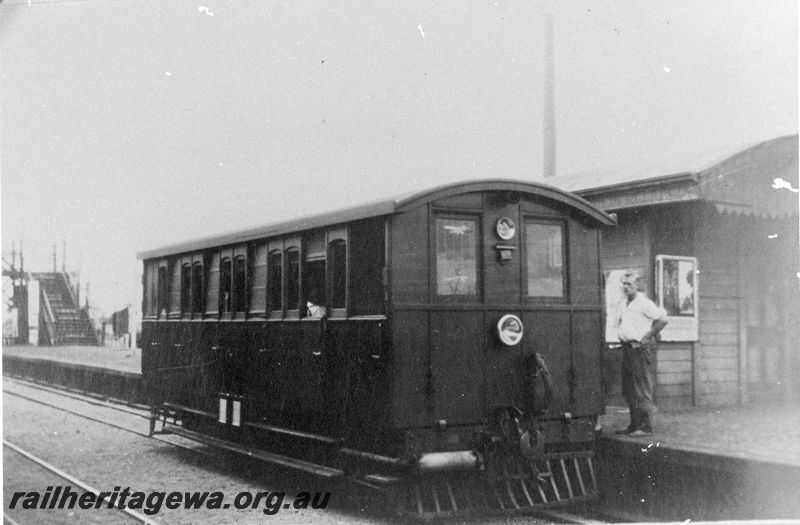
pixel 140 518
pixel 88 397
pixel 104 404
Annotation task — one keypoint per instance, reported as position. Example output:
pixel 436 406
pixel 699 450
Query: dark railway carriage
pixel 455 332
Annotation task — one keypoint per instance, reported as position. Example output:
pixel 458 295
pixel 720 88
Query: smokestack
pixel 549 152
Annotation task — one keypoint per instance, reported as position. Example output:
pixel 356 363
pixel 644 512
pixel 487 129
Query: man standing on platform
pixel 638 322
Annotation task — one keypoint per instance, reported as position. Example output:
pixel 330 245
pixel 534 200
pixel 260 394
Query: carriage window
pixel 275 265
pixel 212 287
pixel 258 280
pixel 314 276
pixel 545 259
pixel 186 288
pixel 163 289
pixel 337 255
pixel 239 284
pixel 197 288
pixel 367 293
pixel 151 289
pixel 225 271
pixel 314 288
pixel 456 257
pixel 151 275
pixel 292 279
pixel 175 300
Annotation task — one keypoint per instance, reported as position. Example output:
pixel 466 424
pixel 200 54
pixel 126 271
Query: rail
pixel 141 518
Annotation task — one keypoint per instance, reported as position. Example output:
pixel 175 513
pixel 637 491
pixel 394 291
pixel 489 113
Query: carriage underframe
pixel 497 479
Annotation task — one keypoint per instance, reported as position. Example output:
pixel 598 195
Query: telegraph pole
pixel 19 298
pixel 549 96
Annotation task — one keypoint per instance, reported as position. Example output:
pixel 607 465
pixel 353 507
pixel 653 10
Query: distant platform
pixel 122 359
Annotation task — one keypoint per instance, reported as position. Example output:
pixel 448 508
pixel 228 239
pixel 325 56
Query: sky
pixel 129 124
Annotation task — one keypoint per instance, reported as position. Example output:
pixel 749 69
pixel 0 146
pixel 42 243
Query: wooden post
pixel 741 294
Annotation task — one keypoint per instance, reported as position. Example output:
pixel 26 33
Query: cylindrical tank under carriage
pixel 454 334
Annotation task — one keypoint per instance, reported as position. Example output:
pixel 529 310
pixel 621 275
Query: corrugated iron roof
pixel 737 179
pixel 652 168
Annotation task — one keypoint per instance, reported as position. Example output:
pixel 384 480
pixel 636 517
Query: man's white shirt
pixel 635 319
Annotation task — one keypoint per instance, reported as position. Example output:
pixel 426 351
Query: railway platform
pixel 706 463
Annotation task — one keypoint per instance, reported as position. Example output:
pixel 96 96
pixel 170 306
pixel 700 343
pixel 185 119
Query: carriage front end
pixel 497 339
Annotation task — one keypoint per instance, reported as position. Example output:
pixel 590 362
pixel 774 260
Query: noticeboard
pixel 677 293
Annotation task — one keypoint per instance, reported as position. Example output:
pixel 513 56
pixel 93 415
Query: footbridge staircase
pixel 62 321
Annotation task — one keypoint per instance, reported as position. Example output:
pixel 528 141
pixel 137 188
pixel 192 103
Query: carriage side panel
pixel 409 263
pixel 354 380
pixel 411 369
pixel 586 357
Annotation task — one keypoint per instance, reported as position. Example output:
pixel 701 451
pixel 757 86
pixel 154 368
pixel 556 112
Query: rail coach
pixel 444 346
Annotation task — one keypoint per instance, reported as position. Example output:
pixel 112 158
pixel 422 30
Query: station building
pixel 714 238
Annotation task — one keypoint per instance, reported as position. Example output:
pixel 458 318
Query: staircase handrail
pixel 50 319
pixel 71 291
pixel 84 315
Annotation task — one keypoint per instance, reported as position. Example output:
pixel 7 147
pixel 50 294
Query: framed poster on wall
pixel 677 293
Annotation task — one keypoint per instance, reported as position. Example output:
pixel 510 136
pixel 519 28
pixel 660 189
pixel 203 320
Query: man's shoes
pixel 625 431
pixel 640 433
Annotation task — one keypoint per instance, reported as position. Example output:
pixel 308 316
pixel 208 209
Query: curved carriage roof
pixel 380 208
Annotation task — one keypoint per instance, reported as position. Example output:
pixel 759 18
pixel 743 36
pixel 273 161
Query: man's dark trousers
pixel 638 371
